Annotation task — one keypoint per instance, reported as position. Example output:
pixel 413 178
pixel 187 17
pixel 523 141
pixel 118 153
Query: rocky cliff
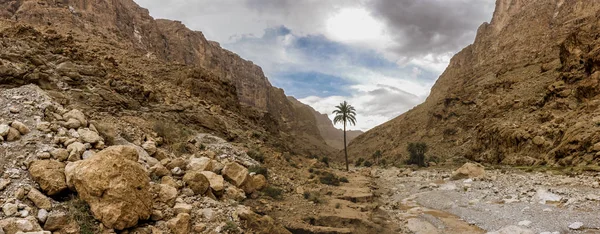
pixel 334 137
pixel 124 33
pixel 524 93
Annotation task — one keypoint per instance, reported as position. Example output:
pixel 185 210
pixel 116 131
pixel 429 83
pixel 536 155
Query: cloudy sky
pixel 382 56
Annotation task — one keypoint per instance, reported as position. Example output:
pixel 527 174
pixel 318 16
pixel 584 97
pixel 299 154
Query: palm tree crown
pixel 345 114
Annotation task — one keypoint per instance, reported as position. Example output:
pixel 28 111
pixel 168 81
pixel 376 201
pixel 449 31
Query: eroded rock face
pixel 518 100
pixel 114 185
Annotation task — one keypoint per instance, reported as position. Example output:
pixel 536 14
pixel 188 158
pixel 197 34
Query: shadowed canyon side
pixel 112 27
pixel 333 136
pixel 524 93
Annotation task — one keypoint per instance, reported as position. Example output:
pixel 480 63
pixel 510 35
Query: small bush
pixel 417 153
pixel 80 212
pixel 377 156
pixel 313 196
pixel 359 162
pixel 259 170
pixel 256 155
pixel 383 162
pixel 368 164
pixel 329 179
pixel 273 192
pixel 344 180
pixel 325 160
pixel 231 227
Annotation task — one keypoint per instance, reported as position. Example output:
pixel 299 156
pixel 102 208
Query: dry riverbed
pixel 513 201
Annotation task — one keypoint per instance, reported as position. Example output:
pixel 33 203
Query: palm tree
pixel 346 114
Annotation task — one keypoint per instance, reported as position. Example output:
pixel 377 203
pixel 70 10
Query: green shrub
pixel 344 180
pixel 417 153
pixel 325 160
pixel 383 162
pixel 377 156
pixel 259 170
pixel 329 179
pixel 368 164
pixel 256 155
pixel 359 162
pixel 80 212
pixel 313 196
pixel 273 192
pixel 230 227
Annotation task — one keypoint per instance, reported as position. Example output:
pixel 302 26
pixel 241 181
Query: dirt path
pixel 428 202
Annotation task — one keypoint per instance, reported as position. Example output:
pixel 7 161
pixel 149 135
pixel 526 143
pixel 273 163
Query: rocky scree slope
pixel 524 93
pixel 120 35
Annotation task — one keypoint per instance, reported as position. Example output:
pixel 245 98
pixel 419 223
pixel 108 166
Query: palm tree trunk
pixel 345 148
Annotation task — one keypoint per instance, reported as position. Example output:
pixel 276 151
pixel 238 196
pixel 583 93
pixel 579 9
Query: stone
pixel 13 134
pixel 50 175
pixel 544 196
pixel 20 225
pixel 170 181
pixel 180 224
pixel 150 147
pixel 196 181
pixel 217 167
pixel 42 215
pixel 468 170
pixel 14 110
pixel 576 226
pixel 60 154
pixel 9 209
pixel 87 154
pixel 199 164
pixel 39 199
pixel 22 128
pixel 75 150
pixel 89 136
pixel 159 170
pixel 182 208
pixel 512 230
pixel 115 186
pixel 525 223
pixel 234 193
pixel 72 124
pixel 4 128
pixel 254 183
pixel 235 173
pixel 76 114
pixel 166 193
pixel 44 155
pixel 538 140
pixel 217 183
pixel 56 221
pixel 4 183
pixel 177 171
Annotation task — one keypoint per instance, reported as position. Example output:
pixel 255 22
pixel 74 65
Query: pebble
pixel 525 223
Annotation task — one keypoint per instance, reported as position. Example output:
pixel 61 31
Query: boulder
pixel 56 221
pixel 19 225
pixel 196 181
pixel 76 114
pixel 166 193
pixel 10 209
pixel 72 124
pixel 199 164
pixel 22 128
pixel 75 150
pixel 183 208
pixel 468 170
pixel 235 173
pixel 4 128
pixel 254 183
pixel 217 183
pixel 89 136
pixel 39 199
pixel 115 186
pixel 150 147
pixel 50 174
pixel 60 154
pixel 13 134
pixel 180 224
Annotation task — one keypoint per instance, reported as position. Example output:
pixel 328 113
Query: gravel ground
pixel 539 202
